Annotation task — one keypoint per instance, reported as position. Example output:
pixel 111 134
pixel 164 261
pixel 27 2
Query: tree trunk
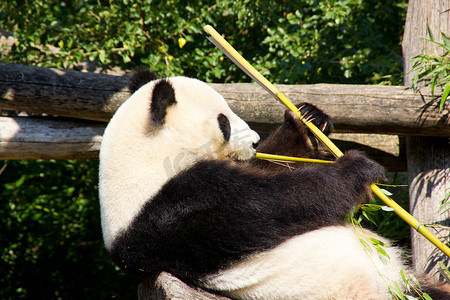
pixel 428 158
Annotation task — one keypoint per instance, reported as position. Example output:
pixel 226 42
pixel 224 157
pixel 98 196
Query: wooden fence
pixel 76 106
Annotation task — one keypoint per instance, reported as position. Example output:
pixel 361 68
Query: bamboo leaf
pixel 396 290
pixel 433 84
pixel 368 217
pixel 444 96
pixel 387 208
pixel 386 192
pixel 404 278
pixel 414 279
pixel 371 207
pixel 426 297
pixel 378 242
pixel 446 39
pixel 364 243
pixel 430 34
pixel 382 251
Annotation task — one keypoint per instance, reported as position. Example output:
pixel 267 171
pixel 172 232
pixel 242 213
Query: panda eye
pixel 224 125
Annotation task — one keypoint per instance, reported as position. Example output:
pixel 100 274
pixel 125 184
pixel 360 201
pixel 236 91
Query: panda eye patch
pixel 224 125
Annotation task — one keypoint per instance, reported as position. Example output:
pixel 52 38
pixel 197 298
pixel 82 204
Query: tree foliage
pixel 289 41
pixel 51 236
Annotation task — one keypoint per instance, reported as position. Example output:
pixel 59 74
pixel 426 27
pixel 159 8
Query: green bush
pixel 305 41
pixel 51 237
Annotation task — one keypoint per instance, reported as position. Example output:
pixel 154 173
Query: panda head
pixel 166 126
pixel 190 116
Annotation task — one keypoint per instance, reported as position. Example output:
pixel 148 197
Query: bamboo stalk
pixel 231 53
pixel 291 159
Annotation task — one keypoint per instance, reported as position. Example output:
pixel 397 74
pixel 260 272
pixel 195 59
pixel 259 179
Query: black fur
pixel 214 214
pixel 293 138
pixel 319 118
pixel 224 125
pixel 163 97
pixel 140 77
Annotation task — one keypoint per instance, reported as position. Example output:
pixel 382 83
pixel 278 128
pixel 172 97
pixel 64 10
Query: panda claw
pixel 311 113
pixel 301 107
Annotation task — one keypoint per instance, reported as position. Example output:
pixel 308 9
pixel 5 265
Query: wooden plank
pixel 354 108
pixel 43 138
pixel 61 92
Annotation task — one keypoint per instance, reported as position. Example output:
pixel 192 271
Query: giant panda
pixel 181 192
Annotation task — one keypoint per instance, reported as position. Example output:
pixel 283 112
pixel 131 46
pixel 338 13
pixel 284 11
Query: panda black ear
pixel 163 97
pixel 224 125
pixel 140 77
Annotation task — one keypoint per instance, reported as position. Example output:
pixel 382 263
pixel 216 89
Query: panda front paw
pixel 367 171
pixel 313 114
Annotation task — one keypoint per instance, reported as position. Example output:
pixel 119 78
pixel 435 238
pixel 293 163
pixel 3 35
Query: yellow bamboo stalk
pixel 284 158
pixel 229 51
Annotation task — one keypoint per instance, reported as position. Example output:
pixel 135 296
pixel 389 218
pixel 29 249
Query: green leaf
pixel 426 296
pixel 445 39
pixel 396 290
pixel 382 251
pixel 366 245
pixel 102 56
pixel 444 96
pixel 371 207
pixel 387 208
pixel 368 217
pixel 433 85
pixel 430 33
pixel 378 242
pixel 386 192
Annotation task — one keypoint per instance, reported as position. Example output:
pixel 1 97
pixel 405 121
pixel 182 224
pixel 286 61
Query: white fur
pixel 328 263
pixel 137 158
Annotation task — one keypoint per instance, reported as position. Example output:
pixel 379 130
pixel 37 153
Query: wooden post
pixel 428 158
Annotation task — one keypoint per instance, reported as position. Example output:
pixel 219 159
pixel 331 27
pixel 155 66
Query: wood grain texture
pixel 353 108
pixel 43 138
pixel 429 183
pixel 428 158
pixel 61 92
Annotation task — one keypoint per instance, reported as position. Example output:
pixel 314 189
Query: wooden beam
pixel 354 108
pixel 67 93
pixel 43 138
